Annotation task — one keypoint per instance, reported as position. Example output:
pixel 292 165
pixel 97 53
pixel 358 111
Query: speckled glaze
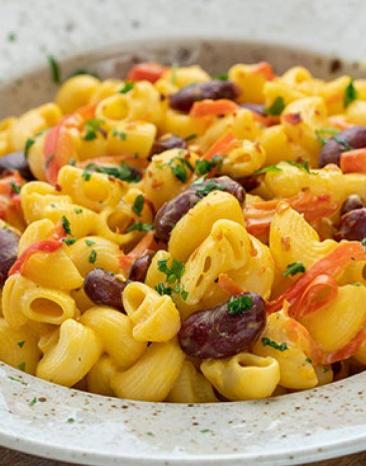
pixel 106 36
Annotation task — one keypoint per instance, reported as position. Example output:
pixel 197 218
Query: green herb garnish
pixel 139 226
pixel 15 187
pixel 127 87
pixel 21 343
pixel 11 37
pixel 309 360
pixel 238 304
pixel 16 378
pixel 32 402
pixel 66 225
pixel 78 210
pixel 69 241
pixel 138 204
pixel 55 69
pixel 173 277
pixel 268 169
pixel 21 366
pixel 86 175
pixel 205 188
pixel 222 77
pixel 179 167
pixel 276 108
pixel 28 144
pixel 277 346
pixel 70 420
pixel 301 165
pixel 163 289
pixel 293 269
pixel 89 242
pixel 203 167
pixel 122 172
pixel 350 94
pixel 324 134
pixel 190 137
pixel 119 134
pixel 92 256
pixel 92 127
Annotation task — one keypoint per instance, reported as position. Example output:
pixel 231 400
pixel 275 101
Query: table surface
pixel 12 458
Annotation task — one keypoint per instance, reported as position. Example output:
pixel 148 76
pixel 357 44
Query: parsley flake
pixel 203 167
pixel 276 108
pixel 293 269
pixel 163 289
pixel 202 189
pixel 190 137
pixel 66 225
pixel 21 343
pixel 92 256
pixel 86 175
pixel 309 360
pixel 350 94
pixel 138 204
pixel 89 242
pixel 277 346
pixel 173 277
pixel 238 304
pixel 54 69
pixel 139 226
pixel 11 37
pixel 21 366
pixel 119 134
pixel 15 187
pixel 92 127
pixel 324 134
pixel 179 167
pixel 70 420
pixel 268 169
pixel 127 87
pixel 301 165
pixel 28 144
pixel 222 77
pixel 122 172
pixel 32 402
pixel 69 241
pixel 16 378
pixel 78 210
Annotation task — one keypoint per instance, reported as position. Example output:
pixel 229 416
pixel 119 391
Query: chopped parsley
pixel 69 241
pixel 325 370
pixel 190 137
pixel 179 167
pixel 15 187
pixel 277 346
pixel 122 172
pixel 151 434
pixel 324 134
pixel 66 225
pixel 89 242
pixel 70 420
pixel 276 108
pixel 309 360
pixel 54 69
pixel 293 269
pixel 238 304
pixel 119 134
pixel 222 77
pixel 92 127
pixel 21 366
pixel 92 256
pixel 173 277
pixel 205 431
pixel 28 144
pixel 139 226
pixel 350 94
pixel 202 189
pixel 16 378
pixel 301 165
pixel 268 169
pixel 78 210
pixel 127 87
pixel 21 343
pixel 32 402
pixel 86 175
pixel 138 204
pixel 203 167
pixel 11 37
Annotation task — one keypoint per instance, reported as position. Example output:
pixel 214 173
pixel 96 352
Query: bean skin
pixel 249 182
pixel 172 211
pixel 352 225
pixel 139 268
pixel 8 252
pixel 215 333
pixel 352 202
pixel 354 137
pixel 104 288
pixel 184 99
pixel 171 142
pixel 16 161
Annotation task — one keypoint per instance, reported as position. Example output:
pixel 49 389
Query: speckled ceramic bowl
pixel 48 420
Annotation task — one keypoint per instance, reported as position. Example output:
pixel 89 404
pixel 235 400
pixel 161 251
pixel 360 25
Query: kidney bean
pixel 139 268
pixel 215 333
pixel 352 202
pixel 352 225
pixel 166 143
pixel 104 288
pixel 172 211
pixel 8 252
pixel 350 138
pixel 215 89
pixel 248 182
pixel 16 161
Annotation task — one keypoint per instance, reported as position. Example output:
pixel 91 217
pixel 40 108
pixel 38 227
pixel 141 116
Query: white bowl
pixel 48 420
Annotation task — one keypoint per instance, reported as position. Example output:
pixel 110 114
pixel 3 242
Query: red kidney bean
pixel 8 252
pixel 215 333
pixel 352 202
pixel 350 138
pixel 139 268
pixel 172 211
pixel 104 288
pixel 16 161
pixel 248 182
pixel 166 143
pixel 352 225
pixel 215 89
